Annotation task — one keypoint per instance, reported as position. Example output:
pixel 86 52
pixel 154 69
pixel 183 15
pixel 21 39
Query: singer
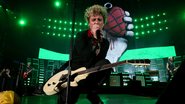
pixel 90 49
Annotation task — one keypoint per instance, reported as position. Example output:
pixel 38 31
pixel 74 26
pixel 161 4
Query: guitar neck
pixel 29 70
pixel 101 68
pixel 107 66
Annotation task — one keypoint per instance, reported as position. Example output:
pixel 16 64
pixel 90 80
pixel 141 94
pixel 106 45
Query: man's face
pixel 96 22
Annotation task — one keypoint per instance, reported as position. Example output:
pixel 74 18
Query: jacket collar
pixel 90 35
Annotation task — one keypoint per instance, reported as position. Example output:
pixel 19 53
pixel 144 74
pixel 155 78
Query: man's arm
pixel 2 72
pixel 8 73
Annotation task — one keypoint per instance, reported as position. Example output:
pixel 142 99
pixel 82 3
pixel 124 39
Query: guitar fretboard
pixel 107 66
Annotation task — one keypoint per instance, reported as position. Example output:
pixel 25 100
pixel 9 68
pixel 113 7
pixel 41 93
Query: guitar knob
pixel 49 84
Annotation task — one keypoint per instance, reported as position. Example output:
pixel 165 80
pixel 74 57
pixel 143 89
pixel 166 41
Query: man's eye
pixel 93 19
pixel 99 19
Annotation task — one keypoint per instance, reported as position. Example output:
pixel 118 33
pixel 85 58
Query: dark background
pixel 20 42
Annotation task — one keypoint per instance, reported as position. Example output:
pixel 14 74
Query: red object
pixel 25 74
pixel 115 23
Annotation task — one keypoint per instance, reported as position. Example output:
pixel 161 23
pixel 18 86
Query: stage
pixel 107 99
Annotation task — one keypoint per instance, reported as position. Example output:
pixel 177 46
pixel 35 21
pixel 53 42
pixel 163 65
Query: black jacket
pixel 83 54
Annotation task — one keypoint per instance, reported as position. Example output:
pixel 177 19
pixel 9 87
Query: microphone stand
pixel 20 71
pixel 70 55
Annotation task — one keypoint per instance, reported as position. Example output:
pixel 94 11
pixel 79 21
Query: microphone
pixel 98 34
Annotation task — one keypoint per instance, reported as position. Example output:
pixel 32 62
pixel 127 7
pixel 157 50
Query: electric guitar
pixel 172 72
pixel 25 74
pixel 59 80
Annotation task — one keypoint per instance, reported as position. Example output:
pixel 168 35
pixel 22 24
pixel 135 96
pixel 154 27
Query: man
pixel 171 68
pixel 89 50
pixel 5 79
pixel 173 92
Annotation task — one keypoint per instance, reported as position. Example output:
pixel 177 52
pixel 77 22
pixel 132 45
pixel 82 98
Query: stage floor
pixel 107 99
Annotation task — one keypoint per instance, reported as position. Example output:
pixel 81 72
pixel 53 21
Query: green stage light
pixel 57 4
pixel 146 18
pixel 149 53
pixel 22 22
pixel 142 53
pixel 51 55
pixel 183 15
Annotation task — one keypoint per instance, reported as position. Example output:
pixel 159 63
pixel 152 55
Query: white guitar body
pixel 52 86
